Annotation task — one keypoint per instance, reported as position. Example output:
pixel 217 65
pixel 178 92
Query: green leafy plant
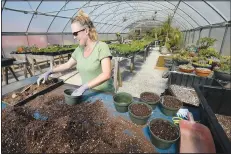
pixel 205 42
pixel 209 52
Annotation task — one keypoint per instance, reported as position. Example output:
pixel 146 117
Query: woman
pixel 92 58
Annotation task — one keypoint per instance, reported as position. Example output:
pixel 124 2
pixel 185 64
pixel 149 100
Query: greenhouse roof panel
pixel 54 16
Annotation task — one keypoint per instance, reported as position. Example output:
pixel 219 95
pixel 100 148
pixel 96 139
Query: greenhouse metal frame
pixel 49 19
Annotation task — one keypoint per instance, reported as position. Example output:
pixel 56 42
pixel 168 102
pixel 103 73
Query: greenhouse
pixel 115 76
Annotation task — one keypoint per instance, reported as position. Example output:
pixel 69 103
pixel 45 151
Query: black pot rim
pixel 69 96
pixel 168 141
pixel 170 108
pixel 139 117
pixel 150 102
pixel 124 103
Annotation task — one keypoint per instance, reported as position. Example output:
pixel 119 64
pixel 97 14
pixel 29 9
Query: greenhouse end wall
pixel 10 43
pixel 222 45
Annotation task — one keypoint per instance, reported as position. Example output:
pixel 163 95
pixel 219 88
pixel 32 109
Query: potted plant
pixel 202 64
pixel 163 133
pixel 170 105
pixel 150 98
pixel 223 72
pixel 186 68
pixel 139 112
pixel 205 42
pixel 203 72
pixel 121 101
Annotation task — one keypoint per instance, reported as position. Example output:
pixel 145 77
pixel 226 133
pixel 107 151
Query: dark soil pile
pixel 140 110
pixel 164 130
pixel 225 122
pixel 86 127
pixel 172 102
pixel 17 96
pixel 149 97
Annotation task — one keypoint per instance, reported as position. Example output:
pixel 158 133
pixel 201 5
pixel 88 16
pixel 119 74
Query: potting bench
pixel 35 59
pixel 107 98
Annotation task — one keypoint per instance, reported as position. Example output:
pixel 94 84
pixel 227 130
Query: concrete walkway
pixel 144 78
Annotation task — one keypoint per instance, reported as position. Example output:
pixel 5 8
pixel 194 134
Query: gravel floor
pixel 144 78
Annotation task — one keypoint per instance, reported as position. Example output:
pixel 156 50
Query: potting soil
pixel 186 95
pixel 140 110
pixel 225 122
pixel 172 102
pixel 86 127
pixel 150 97
pixel 17 96
pixel 164 130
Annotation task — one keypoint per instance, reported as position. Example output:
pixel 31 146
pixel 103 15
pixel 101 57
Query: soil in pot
pixel 164 130
pixel 140 110
pixel 149 97
pixel 172 102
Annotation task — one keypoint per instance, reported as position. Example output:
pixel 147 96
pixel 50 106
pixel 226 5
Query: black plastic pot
pixel 71 100
pixel 181 62
pixel 168 110
pixel 152 104
pixel 222 76
pixel 139 120
pixel 158 142
pixel 121 101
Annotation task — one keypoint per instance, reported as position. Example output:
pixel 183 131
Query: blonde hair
pixel 85 20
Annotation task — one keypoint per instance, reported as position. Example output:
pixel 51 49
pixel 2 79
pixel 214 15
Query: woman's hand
pixel 80 91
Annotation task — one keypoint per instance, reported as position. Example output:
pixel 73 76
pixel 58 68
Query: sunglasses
pixel 76 33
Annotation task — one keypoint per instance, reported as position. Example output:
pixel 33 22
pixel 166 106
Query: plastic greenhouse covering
pixel 43 22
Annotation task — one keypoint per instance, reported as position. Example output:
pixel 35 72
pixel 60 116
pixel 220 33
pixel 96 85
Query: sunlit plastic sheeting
pixel 68 39
pixel 223 7
pixel 15 21
pixel 200 20
pixel 196 37
pixel 186 24
pixel 107 37
pixel 103 37
pixel 177 25
pixel 50 7
pixel 189 20
pixel 207 11
pixel 67 28
pixel 204 33
pixel 58 24
pixel 75 5
pixel 218 33
pixel 67 13
pixel 55 39
pixel 38 40
pixel 107 7
pixel 10 43
pixel 98 28
pixel 40 23
pixel 226 46
pixel 22 5
pixel 167 4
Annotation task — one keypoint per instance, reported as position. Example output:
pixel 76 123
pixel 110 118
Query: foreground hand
pixel 80 90
pixel 44 77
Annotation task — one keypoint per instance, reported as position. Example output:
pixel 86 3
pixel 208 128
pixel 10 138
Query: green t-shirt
pixel 90 67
